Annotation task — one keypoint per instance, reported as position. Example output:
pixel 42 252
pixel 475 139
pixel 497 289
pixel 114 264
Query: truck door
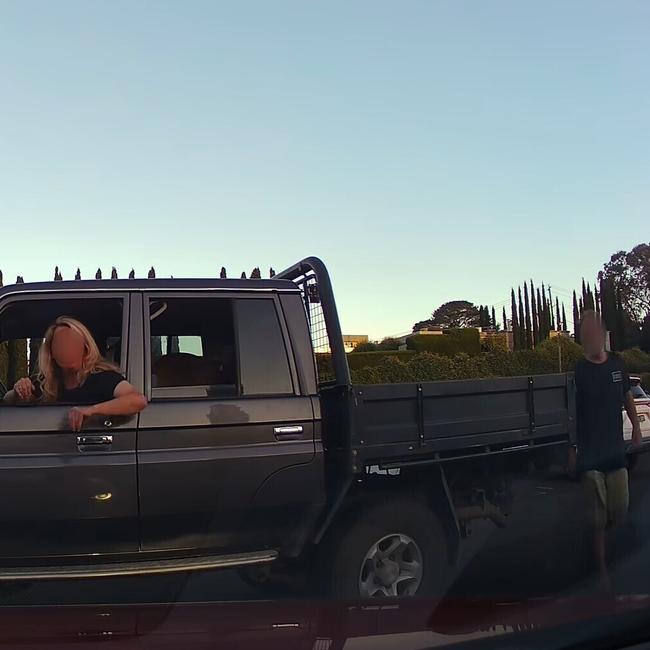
pixel 63 493
pixel 226 427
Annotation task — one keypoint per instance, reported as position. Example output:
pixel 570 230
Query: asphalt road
pixel 542 551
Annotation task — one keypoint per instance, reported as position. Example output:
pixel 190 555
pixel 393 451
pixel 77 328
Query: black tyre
pixel 393 549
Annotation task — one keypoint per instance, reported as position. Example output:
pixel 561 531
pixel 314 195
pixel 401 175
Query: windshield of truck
pixel 324 324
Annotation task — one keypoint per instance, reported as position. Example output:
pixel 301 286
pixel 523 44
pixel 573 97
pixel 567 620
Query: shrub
pixel 450 343
pixel 368 346
pixel 495 342
pixel 636 360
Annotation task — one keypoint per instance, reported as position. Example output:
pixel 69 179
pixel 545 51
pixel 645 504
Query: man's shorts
pixel 608 497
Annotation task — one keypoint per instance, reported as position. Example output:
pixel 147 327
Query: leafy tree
pixel 256 274
pixel 423 325
pixel 388 343
pixel 631 273
pixel 456 313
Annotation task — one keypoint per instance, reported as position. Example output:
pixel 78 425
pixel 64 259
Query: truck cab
pixel 226 459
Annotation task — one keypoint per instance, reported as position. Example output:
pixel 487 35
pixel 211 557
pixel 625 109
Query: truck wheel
pixel 393 549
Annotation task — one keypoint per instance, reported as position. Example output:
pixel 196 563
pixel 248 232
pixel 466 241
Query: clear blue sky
pixel 426 151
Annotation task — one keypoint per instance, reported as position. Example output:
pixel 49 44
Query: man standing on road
pixel 602 388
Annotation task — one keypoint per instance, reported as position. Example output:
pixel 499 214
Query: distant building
pixel 350 341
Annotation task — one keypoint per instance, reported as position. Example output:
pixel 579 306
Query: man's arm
pixel 630 408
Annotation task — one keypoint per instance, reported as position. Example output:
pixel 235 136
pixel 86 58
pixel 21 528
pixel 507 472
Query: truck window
pixel 192 345
pixel 23 323
pixel 263 361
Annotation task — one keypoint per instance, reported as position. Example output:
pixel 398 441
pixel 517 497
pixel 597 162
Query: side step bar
pixel 137 567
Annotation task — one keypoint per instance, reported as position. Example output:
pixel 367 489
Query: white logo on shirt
pixel 617 376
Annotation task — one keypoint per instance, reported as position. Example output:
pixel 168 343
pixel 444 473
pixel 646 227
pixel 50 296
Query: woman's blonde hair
pixel 49 372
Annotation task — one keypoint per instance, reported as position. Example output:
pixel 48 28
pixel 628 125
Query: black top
pixel 600 393
pixel 98 387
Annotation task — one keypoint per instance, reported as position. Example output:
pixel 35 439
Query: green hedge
pixel 450 343
pixel 358 360
pixel 426 366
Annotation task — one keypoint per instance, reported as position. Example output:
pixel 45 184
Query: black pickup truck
pixel 244 456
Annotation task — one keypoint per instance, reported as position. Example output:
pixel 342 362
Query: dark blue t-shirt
pixel 600 394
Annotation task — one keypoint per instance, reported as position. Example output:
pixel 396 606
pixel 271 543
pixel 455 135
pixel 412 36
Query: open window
pixel 23 323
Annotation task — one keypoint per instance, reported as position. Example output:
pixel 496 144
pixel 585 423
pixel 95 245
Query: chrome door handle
pixel 94 440
pixel 288 432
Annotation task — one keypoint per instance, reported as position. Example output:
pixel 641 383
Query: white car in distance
pixel 642 402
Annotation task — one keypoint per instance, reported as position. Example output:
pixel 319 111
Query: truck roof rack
pixel 313 280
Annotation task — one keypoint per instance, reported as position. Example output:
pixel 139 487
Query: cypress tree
pixel 522 321
pixel 576 319
pixel 529 329
pixel 505 320
pixel 98 275
pixel 545 318
pixel 597 300
pixel 494 319
pixel 540 315
pixel 535 314
pixel 151 275
pixel 113 273
pixel 77 275
pixel 255 273
pixel 271 272
pixel 132 274
pixel 557 313
pixel 222 273
pixel 564 325
pixel 514 320
pixel 243 275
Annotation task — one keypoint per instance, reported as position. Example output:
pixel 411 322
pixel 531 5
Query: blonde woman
pixel 72 371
